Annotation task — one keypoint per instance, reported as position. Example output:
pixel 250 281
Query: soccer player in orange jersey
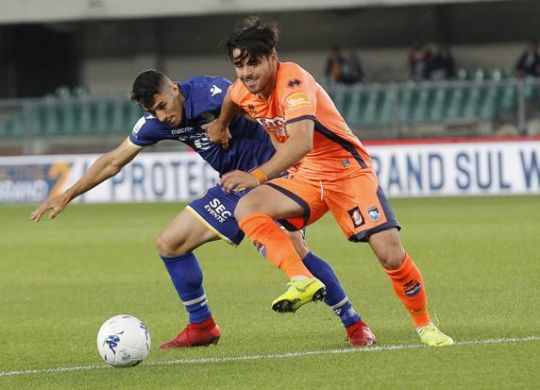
pixel 332 170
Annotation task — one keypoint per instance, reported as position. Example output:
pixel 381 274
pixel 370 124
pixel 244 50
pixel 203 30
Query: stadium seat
pixel 406 100
pixel 473 99
pixel 456 101
pixel 389 99
pixel 424 99
pixel 488 106
pixel 354 114
pixel 509 97
pixel 373 99
pixel 342 96
pixel 440 99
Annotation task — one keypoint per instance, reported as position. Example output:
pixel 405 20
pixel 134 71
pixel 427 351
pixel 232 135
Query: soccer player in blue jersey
pixel 178 111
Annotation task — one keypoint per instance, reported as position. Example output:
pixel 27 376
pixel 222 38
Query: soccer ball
pixel 123 341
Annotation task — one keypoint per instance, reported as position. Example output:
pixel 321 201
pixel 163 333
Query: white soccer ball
pixel 123 341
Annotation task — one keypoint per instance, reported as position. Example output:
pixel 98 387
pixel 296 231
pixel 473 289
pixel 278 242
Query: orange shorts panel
pixel 357 202
pixel 307 194
pixel 359 205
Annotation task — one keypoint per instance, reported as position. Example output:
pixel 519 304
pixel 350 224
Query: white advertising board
pixel 404 169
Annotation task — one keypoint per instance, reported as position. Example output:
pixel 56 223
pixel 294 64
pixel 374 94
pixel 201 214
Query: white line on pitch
pixel 224 359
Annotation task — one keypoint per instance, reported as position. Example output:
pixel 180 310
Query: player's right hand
pixel 55 205
pixel 217 133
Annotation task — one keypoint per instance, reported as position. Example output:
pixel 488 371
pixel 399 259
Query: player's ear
pixel 274 57
pixel 174 88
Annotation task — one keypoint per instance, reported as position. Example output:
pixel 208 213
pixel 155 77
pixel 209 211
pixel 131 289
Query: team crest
pixel 356 217
pixel 373 213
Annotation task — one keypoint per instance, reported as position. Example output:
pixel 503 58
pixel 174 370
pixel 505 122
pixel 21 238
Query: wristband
pixel 259 175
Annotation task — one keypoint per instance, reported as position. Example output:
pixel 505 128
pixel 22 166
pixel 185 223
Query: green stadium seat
pixel 509 97
pixel 342 96
pixel 407 97
pixel 440 100
pixel 473 101
pixel 463 74
pixel 530 88
pixel 135 113
pixel 67 115
pixel 100 120
pixel 424 99
pixel 50 115
pixel 456 101
pixel 488 108
pixel 354 114
pixel 85 108
pixel 389 98
pixel 119 115
pixel 479 75
pixel 373 99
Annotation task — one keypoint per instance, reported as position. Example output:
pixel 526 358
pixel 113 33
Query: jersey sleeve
pixel 297 94
pixel 144 132
pixel 237 92
pixel 218 90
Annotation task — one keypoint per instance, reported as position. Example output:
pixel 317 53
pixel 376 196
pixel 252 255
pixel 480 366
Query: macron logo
pixel 215 90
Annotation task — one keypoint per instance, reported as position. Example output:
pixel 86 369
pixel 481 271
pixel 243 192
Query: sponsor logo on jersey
pixel 374 213
pixel 140 123
pixel 215 90
pixel 217 210
pixel 182 130
pixel 356 217
pixel 275 126
pixel 298 100
pixel 293 83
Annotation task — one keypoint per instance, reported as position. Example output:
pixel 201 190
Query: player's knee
pixel 388 249
pixel 170 247
pixel 392 259
pixel 247 205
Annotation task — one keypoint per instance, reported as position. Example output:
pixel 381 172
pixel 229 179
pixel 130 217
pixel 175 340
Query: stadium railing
pixel 468 106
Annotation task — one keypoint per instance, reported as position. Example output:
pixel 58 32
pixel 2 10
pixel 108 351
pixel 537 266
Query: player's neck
pixel 269 88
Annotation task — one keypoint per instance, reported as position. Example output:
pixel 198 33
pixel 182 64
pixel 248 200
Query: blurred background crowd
pixel 395 69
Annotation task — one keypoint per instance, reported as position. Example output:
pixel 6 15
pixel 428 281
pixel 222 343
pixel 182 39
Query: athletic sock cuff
pixel 172 259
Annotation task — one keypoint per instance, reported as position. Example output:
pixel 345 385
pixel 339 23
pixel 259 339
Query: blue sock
pixel 335 295
pixel 187 277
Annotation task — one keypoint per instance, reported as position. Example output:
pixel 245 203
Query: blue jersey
pixel 249 147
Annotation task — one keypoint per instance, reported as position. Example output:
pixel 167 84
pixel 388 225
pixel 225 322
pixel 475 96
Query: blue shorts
pixel 215 210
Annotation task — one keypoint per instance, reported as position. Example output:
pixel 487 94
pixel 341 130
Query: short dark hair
pixel 146 85
pixel 254 39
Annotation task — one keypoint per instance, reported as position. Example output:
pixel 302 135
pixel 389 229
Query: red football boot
pixel 359 335
pixel 194 335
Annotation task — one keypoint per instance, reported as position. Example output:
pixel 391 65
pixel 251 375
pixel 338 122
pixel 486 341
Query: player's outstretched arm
pixel 104 167
pixel 218 130
pixel 299 143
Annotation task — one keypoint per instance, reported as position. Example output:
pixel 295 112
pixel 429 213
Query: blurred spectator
pixel 352 71
pixel 419 58
pixel 442 66
pixel 334 65
pixel 529 62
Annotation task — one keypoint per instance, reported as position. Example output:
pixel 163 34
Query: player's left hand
pixel 217 133
pixel 238 181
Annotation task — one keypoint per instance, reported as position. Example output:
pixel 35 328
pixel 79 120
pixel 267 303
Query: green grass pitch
pixel 479 256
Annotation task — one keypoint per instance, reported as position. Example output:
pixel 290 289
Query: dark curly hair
pixel 254 39
pixel 146 85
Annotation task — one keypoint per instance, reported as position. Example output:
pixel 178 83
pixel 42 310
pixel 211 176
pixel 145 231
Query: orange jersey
pixel 298 96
